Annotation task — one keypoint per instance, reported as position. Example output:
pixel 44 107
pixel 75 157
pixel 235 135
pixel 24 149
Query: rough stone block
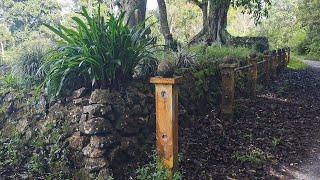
pixel 96 126
pixel 95 164
pixel 103 142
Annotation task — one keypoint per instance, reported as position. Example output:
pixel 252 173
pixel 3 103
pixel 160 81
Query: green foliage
pixel 309 15
pixel 9 81
pixel 254 156
pixel 200 52
pixel 275 142
pixel 296 64
pixel 106 51
pixel 9 151
pixel 156 171
pixel 36 164
pixel 25 18
pixel 219 52
pixel 29 61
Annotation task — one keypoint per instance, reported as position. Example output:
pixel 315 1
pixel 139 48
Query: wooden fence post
pixel 266 57
pixel 166 94
pixel 274 64
pixel 227 99
pixel 284 58
pixel 253 74
pixel 279 54
pixel 289 52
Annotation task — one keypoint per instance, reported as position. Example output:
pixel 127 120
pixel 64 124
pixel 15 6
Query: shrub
pixel 9 81
pixel 156 171
pixel 104 50
pixel 219 52
pixel 29 61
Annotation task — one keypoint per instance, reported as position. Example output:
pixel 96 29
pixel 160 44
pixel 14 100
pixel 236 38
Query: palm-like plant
pixel 105 50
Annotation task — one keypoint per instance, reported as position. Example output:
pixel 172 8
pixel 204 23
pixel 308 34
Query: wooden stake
pixel 253 74
pixel 289 52
pixel 274 64
pixel 279 60
pixel 227 99
pixel 167 120
pixel 266 57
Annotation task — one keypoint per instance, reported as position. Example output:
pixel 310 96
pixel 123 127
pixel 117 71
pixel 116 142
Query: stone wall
pixel 113 126
pixel 104 129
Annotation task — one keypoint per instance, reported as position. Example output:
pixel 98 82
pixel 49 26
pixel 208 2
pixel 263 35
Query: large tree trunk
pixel 136 11
pixel 214 23
pixel 165 29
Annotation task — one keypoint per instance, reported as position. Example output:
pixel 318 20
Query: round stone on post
pixel 253 59
pixel 266 57
pixel 228 85
pixel 166 94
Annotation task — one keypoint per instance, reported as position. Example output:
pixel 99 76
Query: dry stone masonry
pixel 113 125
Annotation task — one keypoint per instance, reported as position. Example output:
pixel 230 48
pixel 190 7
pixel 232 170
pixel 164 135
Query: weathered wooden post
pixel 274 64
pixel 166 93
pixel 289 52
pixel 279 60
pixel 227 79
pixel 253 74
pixel 266 57
pixel 284 58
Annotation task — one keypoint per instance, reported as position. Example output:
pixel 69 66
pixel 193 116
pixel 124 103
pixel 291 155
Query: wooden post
pixel 274 64
pixel 284 58
pixel 289 52
pixel 279 60
pixel 253 74
pixel 227 81
pixel 167 120
pixel 266 57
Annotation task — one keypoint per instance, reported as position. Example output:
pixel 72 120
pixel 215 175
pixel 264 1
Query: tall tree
pixel 215 17
pixel 164 25
pixel 135 9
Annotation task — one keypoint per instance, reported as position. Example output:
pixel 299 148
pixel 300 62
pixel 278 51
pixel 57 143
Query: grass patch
pixel 254 156
pixel 219 52
pixel 156 170
pixel 297 64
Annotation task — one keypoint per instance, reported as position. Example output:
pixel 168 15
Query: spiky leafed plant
pixel 105 50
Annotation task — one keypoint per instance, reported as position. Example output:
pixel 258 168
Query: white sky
pixel 152 4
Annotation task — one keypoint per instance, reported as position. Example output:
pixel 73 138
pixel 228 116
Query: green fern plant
pixel 105 50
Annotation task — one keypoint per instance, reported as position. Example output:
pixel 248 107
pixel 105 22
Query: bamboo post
pixel 227 99
pixel 166 94
pixel 253 74
pixel 266 57
pixel 274 64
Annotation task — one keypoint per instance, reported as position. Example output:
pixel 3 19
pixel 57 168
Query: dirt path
pixel 313 64
pixel 310 168
pixel 275 136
